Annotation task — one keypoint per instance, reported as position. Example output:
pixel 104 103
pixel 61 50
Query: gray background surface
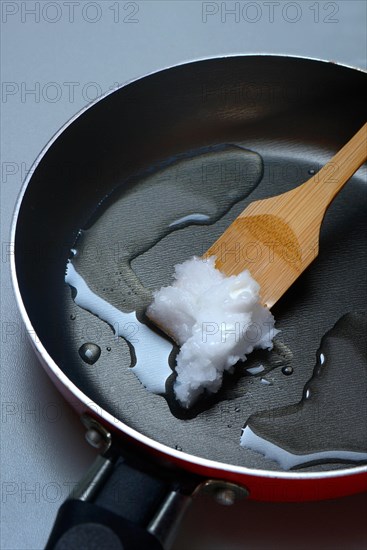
pixel 55 58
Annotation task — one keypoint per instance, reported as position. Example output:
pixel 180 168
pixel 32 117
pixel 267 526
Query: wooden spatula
pixel 277 238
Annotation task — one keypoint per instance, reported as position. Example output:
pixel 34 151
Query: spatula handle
pixel 284 230
pixel 322 188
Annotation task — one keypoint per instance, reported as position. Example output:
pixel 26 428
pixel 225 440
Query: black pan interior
pixel 210 137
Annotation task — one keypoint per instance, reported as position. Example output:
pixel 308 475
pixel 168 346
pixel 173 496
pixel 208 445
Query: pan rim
pixel 51 366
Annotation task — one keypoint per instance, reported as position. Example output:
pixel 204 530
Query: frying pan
pixel 117 183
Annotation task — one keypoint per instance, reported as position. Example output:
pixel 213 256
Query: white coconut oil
pixel 216 320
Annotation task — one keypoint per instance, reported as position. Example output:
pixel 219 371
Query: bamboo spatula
pixel 277 238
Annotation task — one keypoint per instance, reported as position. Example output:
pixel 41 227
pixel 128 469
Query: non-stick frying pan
pixel 148 176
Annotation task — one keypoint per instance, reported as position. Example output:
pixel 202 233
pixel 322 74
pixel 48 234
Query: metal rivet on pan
pixel 96 435
pixel 94 438
pixel 224 492
pixel 227 497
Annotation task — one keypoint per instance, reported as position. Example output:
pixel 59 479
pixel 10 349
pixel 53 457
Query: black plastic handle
pixel 85 526
pixel 111 510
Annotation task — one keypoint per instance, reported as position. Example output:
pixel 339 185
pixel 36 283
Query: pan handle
pixel 117 507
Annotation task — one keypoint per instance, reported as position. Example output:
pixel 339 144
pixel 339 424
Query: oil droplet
pixel 90 353
pixel 108 348
pixel 178 448
pixel 312 171
pixel 287 370
pixel 72 317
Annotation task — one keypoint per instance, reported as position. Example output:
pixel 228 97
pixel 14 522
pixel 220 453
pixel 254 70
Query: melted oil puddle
pixel 288 460
pixel 192 189
pixel 151 350
pixel 329 423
